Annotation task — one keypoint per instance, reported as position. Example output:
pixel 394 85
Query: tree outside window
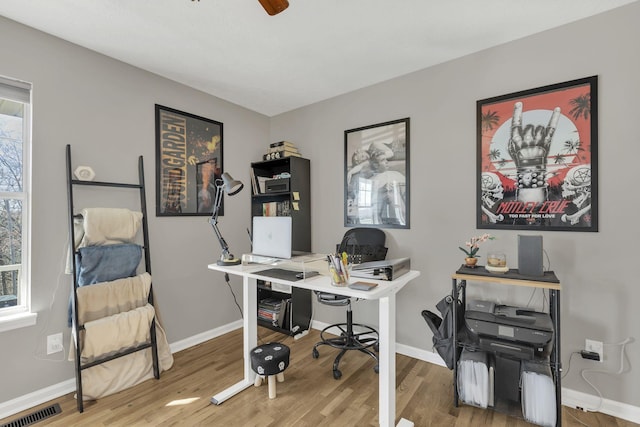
pixel 13 128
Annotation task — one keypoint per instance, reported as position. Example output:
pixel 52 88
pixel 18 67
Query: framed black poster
pixel 376 181
pixel 537 158
pixel 188 162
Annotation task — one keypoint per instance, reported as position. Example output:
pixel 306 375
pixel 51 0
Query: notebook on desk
pixel 272 236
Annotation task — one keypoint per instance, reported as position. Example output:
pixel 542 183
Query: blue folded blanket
pixel 96 264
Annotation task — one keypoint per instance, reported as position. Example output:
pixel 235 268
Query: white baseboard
pixel 30 400
pixel 424 355
pixel 204 336
pixel 570 398
pixel 589 402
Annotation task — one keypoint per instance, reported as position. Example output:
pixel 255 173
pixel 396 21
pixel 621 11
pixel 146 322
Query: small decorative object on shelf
pixel 470 262
pixel 496 262
pixel 473 246
pixel 84 173
pixel 279 150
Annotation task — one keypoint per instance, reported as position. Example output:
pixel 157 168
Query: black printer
pixel 514 331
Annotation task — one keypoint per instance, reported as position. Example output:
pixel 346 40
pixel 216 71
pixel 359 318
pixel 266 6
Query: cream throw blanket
pixel 109 298
pixel 103 226
pixel 107 226
pixel 116 316
pixel 110 335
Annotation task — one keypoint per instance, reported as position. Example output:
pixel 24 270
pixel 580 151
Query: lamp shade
pixel 231 186
pixel 273 7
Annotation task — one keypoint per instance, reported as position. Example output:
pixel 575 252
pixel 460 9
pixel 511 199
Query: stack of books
pixel 278 150
pixel 282 208
pixel 272 310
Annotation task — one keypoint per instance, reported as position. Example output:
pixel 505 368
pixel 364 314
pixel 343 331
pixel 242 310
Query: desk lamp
pixel 232 187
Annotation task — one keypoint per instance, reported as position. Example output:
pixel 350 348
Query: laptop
pixel 272 236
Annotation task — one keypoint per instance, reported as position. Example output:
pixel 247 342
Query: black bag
pixel 442 328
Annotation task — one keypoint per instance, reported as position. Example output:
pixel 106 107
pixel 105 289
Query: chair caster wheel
pixel 376 369
pixel 315 353
pixel 337 374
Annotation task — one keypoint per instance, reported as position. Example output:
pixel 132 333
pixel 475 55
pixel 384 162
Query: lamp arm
pixel 224 184
pixel 223 244
pixel 214 221
pixel 217 201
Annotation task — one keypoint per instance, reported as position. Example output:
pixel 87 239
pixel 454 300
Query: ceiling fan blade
pixel 273 7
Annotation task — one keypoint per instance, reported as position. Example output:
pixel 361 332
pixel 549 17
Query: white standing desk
pixel 385 293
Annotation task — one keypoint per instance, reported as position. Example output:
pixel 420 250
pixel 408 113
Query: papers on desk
pixel 475 387
pixel 389 269
pixel 538 394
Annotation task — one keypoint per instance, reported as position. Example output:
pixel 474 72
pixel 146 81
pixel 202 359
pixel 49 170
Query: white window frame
pixel 21 315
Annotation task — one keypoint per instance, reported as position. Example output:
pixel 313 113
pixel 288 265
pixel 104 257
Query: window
pixel 365 208
pixel 15 171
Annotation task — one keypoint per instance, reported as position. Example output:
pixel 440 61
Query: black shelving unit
pixel 548 281
pixel 297 315
pixel 294 201
pixel 152 343
pixel 273 194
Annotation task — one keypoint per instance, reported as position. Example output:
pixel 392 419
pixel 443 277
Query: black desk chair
pixel 361 245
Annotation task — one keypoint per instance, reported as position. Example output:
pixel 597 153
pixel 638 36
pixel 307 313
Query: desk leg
pixel 249 334
pixel 387 363
pixel 250 323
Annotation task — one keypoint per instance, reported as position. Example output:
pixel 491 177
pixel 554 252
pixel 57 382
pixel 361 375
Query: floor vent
pixel 37 416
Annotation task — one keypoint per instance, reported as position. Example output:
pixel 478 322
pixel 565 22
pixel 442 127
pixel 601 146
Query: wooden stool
pixel 269 361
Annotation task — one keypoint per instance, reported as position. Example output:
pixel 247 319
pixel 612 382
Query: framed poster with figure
pixel 376 181
pixel 188 162
pixel 537 163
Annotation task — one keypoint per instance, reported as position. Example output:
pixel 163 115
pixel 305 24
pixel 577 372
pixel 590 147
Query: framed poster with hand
pixel 537 158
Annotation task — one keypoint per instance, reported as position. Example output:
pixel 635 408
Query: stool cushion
pixel 270 359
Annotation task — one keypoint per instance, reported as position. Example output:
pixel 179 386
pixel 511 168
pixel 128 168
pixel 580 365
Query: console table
pixel 548 281
pixel 384 293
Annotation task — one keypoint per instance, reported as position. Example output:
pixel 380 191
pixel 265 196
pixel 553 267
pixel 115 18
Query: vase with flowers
pixel 472 247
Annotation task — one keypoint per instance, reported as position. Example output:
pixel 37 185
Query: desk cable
pixel 226 279
pixel 582 374
pixel 545 302
pixel 45 315
pixel 602 371
pixel 235 300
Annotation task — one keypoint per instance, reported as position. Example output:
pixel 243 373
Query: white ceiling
pixel 314 50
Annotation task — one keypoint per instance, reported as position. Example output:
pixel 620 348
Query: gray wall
pixel 599 292
pixel 105 110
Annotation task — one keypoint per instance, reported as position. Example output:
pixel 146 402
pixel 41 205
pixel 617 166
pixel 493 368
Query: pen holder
pixel 339 278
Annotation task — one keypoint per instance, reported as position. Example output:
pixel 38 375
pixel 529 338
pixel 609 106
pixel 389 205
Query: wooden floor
pixel 308 397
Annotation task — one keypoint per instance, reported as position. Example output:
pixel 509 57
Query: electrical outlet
pixel 54 343
pixel 596 347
